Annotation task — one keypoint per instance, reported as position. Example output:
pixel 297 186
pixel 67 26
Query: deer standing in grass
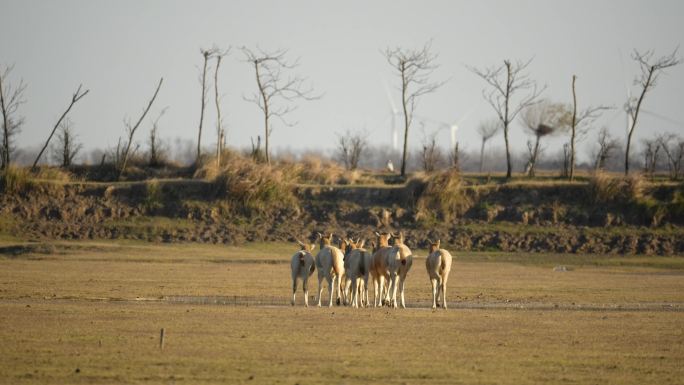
pixel 438 264
pixel 399 261
pixel 302 265
pixel 378 268
pixel 357 269
pixel 330 265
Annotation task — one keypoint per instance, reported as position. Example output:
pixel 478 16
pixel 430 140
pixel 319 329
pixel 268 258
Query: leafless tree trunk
pixel 66 147
pixel 486 130
pixel 11 98
pixel 455 157
pixel 206 54
pixel 156 150
pixel 414 68
pixel 351 146
pixel 256 153
pixel 75 98
pixel 273 87
pixel 650 71
pixel 580 125
pixel 673 147
pixel 651 151
pixel 607 146
pixel 565 172
pixel 130 129
pixel 430 154
pixel 220 132
pixel 505 82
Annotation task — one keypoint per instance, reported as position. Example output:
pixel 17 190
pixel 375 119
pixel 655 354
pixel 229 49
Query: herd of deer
pixel 347 269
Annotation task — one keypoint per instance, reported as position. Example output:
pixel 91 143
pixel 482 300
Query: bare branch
pixel 504 82
pixel 11 98
pixel 650 72
pixel 75 98
pixel 275 87
pixel 413 67
pixel 131 129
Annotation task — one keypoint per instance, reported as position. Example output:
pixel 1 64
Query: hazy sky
pixel 119 49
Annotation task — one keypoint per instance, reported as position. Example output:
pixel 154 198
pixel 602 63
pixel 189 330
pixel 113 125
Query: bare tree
pixel 220 132
pixel 206 54
pixel 579 124
pixel 540 119
pixel 414 68
pixel 455 157
pixel 487 130
pixel 430 154
pixel 257 154
pixel 673 147
pixel 351 146
pixel 75 98
pixel 274 87
pixel 123 151
pixel 565 172
pixel 156 147
pixel 650 71
pixel 607 147
pixel 66 148
pixel 505 82
pixel 11 98
pixel 651 152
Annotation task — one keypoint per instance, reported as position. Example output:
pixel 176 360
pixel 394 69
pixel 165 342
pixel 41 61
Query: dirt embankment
pixel 504 217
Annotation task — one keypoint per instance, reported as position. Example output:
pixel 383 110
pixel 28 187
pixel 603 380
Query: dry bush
pixel 603 188
pixel 14 180
pixel 53 174
pixel 442 196
pixel 254 186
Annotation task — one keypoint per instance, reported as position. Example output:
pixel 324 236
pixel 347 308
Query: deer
pixel 399 261
pixel 302 265
pixel 438 265
pixel 330 265
pixel 378 267
pixel 357 269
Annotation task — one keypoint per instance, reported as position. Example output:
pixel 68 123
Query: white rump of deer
pixel 330 265
pixel 378 268
pixel 399 261
pixel 357 264
pixel 438 264
pixel 302 265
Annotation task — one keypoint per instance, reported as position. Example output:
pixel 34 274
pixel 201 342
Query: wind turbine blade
pixel 624 76
pixel 662 117
pixel 395 110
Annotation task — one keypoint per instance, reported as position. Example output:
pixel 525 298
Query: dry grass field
pixel 91 312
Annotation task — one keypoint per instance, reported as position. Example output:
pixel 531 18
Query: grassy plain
pixel 91 312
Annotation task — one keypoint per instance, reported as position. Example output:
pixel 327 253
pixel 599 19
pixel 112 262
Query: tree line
pixel 509 90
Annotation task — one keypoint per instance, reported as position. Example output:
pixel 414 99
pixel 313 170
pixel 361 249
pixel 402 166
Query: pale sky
pixel 119 50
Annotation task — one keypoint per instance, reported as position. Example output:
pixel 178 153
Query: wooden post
pixel 161 339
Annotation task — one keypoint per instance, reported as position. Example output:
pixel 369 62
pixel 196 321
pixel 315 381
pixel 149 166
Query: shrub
pixel 442 196
pixel 603 188
pixel 253 186
pixel 53 174
pixel 154 197
pixel 14 180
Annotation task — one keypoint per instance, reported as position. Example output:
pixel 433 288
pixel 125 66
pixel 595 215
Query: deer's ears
pixel 359 244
